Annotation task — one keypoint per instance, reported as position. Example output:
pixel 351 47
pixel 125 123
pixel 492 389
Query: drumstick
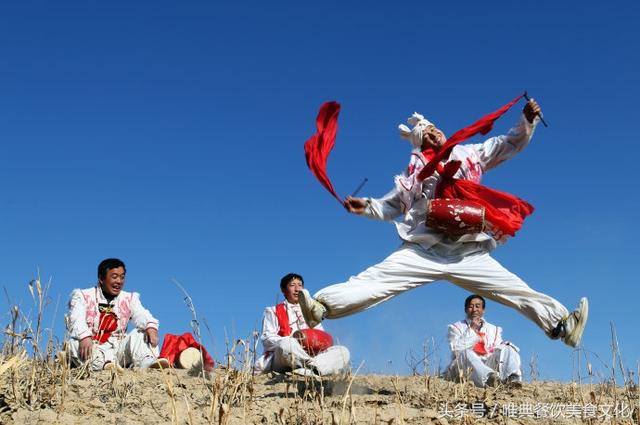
pixel 541 119
pixel 355 192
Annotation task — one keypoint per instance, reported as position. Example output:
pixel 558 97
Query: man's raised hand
pixel 531 109
pixel 355 205
pixel 476 324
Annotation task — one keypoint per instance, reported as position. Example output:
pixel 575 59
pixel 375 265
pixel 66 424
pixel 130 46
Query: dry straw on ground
pixel 37 386
pixel 232 396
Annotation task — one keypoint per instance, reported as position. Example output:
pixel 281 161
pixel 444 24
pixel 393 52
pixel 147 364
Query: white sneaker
pixel 153 363
pixel 302 371
pixel 312 311
pixel 112 366
pixel 574 324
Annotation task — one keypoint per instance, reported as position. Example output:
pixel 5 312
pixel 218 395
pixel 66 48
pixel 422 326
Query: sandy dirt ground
pixel 232 397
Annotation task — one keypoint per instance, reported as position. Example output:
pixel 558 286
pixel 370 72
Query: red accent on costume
pixel 475 171
pixel 482 126
pixel 283 320
pixel 107 325
pixel 318 147
pixel 504 211
pixel 429 153
pixel 479 348
pixel 173 345
pixel 316 341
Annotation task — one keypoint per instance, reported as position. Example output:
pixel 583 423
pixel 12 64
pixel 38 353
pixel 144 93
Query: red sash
pixel 283 320
pixel 505 212
pixel 107 325
pixel 479 348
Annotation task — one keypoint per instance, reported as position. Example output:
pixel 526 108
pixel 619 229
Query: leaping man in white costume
pixel 428 252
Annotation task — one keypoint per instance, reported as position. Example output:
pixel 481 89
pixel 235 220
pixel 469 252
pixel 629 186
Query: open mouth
pixel 432 139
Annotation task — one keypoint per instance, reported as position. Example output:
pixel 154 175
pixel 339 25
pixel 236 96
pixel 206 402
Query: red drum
pixel 315 341
pixel 455 216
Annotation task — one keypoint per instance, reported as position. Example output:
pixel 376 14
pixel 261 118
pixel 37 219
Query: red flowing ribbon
pixel 318 147
pixel 505 212
pixel 482 126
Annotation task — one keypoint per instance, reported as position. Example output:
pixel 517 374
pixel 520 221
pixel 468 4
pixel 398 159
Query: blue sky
pixel 171 135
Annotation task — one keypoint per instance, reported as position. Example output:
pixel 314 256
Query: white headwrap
pixel 414 136
pixel 407 184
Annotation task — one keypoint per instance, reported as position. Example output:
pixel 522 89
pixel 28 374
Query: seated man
pixel 478 349
pixel 287 338
pixel 98 320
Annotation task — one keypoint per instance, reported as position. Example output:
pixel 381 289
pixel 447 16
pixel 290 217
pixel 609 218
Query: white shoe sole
pixel 161 363
pixel 573 338
pixel 309 310
pixel 302 372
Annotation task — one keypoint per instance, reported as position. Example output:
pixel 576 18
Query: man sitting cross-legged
pixel 478 350
pixel 290 345
pixel 98 319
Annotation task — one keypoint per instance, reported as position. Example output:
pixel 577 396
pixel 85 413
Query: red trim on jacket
pixel 283 320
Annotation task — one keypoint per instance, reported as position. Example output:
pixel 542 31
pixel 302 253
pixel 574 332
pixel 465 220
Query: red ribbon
pixel 106 327
pixel 505 212
pixel 482 126
pixel 283 320
pixel 318 147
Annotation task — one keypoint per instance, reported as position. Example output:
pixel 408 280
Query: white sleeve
pixel 386 208
pixel 460 340
pixel 496 150
pixel 77 322
pixel 498 338
pixel 140 316
pixel 270 328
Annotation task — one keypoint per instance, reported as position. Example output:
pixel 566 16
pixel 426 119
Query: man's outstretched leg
pixel 483 275
pixel 407 268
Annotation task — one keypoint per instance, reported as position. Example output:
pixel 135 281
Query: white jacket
pixel 476 160
pixel 84 317
pixel 270 328
pixel 462 337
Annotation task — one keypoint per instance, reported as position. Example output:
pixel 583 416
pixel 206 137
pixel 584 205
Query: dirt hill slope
pixel 47 394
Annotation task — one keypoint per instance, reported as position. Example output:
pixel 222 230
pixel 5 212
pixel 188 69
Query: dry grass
pixel 38 386
pixel 232 397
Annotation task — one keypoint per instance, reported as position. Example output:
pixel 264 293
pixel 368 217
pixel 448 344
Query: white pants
pixel 411 266
pixel 130 351
pixel 505 361
pixel 289 355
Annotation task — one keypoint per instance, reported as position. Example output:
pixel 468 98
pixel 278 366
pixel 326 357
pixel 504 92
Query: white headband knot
pixel 414 135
